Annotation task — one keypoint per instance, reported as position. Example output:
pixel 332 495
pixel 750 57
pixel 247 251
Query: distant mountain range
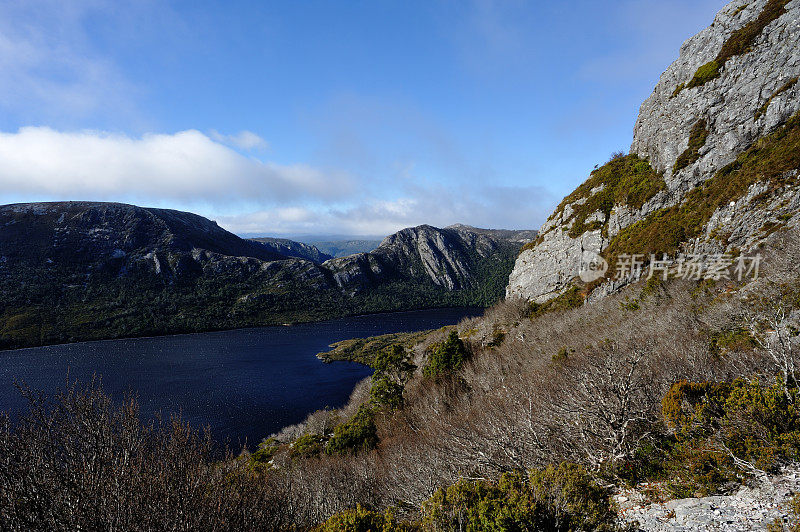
pixel 79 270
pixel 292 249
pixel 343 248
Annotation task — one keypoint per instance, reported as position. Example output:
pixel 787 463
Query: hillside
pixel 78 271
pixel 291 249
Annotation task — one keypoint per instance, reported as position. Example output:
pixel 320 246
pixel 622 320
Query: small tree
pixel 446 357
pixel 778 342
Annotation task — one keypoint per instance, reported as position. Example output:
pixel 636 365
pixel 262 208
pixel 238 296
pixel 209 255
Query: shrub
pixel 386 393
pixel 732 340
pixel 266 450
pixel 359 433
pixel 556 498
pixel 626 180
pixel 571 298
pixel 446 357
pixel 307 446
pixel 394 361
pixel 574 500
pixel 721 428
pixel 360 519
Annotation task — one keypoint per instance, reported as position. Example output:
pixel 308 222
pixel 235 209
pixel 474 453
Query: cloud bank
pixel 193 171
pixel 187 166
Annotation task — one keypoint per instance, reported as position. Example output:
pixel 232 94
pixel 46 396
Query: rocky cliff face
pixel 448 258
pixel 722 113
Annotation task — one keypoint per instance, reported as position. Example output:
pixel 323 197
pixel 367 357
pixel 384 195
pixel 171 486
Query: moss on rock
pixel 697 139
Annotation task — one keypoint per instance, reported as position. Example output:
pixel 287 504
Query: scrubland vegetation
pixel 522 419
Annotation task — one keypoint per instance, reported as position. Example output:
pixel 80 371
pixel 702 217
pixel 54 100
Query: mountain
pixel 520 236
pixel 455 259
pixel 108 235
pixel 343 248
pixel 291 249
pixel 712 166
pixel 79 270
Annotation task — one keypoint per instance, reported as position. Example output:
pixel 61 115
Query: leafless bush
pixel 80 463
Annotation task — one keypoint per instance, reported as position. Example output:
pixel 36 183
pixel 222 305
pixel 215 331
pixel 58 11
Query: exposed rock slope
pixel 448 257
pixel 714 120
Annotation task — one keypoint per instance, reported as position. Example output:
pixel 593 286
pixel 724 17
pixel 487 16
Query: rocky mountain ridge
pixel 725 138
pixel 108 269
pixel 446 257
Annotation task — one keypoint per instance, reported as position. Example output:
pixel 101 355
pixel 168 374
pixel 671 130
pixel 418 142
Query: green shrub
pixel 761 424
pixel 556 498
pixel 307 446
pixel 688 406
pixel 573 498
pixel 360 519
pixel 732 340
pixel 359 433
pixel 714 422
pixel 573 297
pixel 626 180
pixel 386 393
pixel 266 450
pixel 697 139
pixel 446 357
pixel 394 360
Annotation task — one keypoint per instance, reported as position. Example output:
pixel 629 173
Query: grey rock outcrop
pixel 729 104
pixel 758 507
pixel 754 94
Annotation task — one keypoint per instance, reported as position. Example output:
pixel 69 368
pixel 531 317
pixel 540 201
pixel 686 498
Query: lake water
pixel 244 384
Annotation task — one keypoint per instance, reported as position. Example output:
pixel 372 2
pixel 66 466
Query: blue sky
pixel 347 117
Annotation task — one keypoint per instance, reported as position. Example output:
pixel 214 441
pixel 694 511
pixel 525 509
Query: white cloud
pixel 244 140
pixel 490 207
pixel 187 166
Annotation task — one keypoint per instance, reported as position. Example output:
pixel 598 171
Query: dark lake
pixel 244 384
